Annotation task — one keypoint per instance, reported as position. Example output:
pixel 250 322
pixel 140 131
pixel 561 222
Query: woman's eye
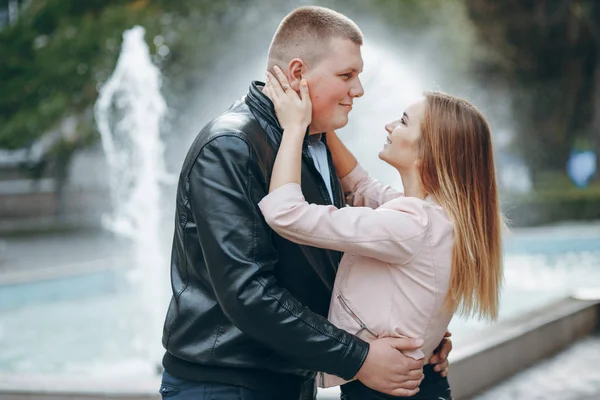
pixel 346 76
pixel 402 122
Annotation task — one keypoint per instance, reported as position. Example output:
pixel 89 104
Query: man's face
pixel 334 84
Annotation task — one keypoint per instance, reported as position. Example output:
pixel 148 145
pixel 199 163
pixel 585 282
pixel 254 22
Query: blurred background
pixel 100 100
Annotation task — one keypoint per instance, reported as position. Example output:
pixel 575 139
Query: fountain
pixel 129 112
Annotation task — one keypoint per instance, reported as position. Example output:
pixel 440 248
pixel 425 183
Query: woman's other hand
pixel 294 111
pixel 440 355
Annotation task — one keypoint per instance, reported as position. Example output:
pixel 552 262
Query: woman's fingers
pixel 273 85
pixel 304 91
pixel 266 91
pixel 305 97
pixel 281 78
pixel 292 108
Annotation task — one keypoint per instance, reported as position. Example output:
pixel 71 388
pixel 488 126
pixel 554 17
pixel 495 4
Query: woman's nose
pixel 389 127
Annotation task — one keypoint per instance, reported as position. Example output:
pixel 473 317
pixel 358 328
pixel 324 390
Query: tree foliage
pixel 547 51
pixel 59 52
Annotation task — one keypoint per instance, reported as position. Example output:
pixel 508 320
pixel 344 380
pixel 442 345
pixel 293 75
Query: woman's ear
pixel 296 69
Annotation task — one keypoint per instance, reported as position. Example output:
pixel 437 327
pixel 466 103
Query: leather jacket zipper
pixel 355 317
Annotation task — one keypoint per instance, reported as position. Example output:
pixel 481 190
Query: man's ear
pixel 296 68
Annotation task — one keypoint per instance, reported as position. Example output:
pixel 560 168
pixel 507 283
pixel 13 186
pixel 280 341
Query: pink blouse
pixel 394 276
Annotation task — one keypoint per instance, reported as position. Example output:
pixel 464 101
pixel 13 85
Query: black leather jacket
pixel 248 306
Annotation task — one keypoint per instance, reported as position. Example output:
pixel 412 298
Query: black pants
pixel 433 387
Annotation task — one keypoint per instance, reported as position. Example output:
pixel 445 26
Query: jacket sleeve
pixel 224 188
pixel 391 234
pixel 362 190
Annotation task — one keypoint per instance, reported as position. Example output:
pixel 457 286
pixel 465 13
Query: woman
pixel 411 260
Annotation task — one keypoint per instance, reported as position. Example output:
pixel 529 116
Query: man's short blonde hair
pixel 305 33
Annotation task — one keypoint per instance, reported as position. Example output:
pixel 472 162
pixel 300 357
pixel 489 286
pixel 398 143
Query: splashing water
pixel 129 112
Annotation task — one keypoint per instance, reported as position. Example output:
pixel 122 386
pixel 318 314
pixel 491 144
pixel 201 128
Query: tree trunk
pixel 595 126
pixel 62 163
pixel 60 182
pixel 542 116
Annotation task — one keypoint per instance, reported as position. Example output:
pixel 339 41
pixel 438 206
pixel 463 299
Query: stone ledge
pixel 45 387
pixel 491 355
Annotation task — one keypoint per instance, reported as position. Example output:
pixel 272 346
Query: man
pixel 247 316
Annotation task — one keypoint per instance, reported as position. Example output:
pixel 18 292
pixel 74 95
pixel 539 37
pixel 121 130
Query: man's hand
pixel 440 355
pixel 389 371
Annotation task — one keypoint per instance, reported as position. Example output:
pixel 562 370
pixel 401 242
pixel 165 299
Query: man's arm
pixel 224 191
pixel 343 159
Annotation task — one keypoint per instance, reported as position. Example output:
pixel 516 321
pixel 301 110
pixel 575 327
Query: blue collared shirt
pixel 318 152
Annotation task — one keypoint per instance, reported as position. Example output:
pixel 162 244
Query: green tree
pixel 547 51
pixel 58 53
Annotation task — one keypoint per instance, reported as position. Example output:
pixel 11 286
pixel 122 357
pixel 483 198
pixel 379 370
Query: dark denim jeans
pixel 173 388
pixel 433 387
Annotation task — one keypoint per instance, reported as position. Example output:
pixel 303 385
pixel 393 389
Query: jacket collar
pixel 261 106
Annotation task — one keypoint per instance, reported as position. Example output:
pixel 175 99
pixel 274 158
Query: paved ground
pixel 571 375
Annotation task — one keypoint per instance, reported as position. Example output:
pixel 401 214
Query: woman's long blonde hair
pixel 457 169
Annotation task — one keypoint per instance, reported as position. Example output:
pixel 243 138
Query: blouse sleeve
pixel 392 233
pixel 362 190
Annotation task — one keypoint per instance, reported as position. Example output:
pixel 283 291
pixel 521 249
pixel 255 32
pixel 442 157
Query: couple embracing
pixel 292 268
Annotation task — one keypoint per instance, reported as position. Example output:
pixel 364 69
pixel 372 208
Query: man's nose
pixel 357 89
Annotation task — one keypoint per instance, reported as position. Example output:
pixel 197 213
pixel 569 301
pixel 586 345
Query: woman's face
pixel 401 149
